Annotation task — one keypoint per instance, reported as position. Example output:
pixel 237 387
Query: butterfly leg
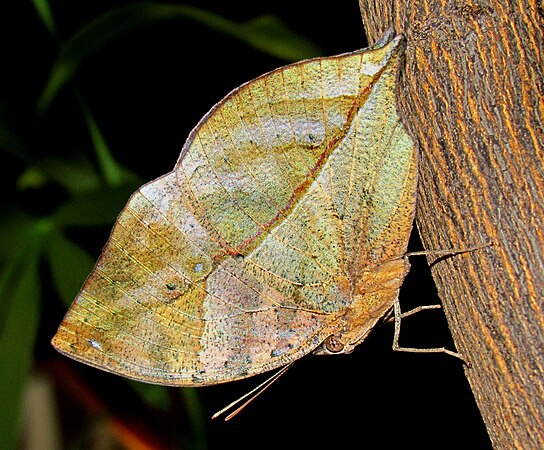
pixel 398 316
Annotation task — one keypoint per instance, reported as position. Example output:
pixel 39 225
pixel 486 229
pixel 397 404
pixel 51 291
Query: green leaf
pixel 111 171
pixel 270 35
pixel 77 175
pixel 16 345
pixel 69 264
pixel 44 11
pixel 20 296
pixel 154 395
pixel 6 277
pixel 196 416
pixel 100 207
pixel 266 33
pixel 17 228
pixel 31 178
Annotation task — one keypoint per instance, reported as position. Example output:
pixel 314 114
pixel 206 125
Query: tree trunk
pixel 471 98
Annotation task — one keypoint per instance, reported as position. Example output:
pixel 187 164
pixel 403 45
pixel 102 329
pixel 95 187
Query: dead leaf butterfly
pixel 280 232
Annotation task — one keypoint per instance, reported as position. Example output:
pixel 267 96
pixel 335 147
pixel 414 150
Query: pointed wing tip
pixel 389 38
pixel 390 44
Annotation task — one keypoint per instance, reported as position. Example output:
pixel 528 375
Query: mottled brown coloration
pixel 284 222
pixel 473 100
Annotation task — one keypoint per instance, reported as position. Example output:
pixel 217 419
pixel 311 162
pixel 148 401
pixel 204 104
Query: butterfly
pixel 280 232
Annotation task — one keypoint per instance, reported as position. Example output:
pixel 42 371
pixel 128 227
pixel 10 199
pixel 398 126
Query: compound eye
pixel 333 344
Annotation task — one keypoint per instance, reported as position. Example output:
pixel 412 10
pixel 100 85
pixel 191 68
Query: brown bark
pixel 471 98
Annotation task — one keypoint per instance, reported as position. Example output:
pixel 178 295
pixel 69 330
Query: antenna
pixel 448 252
pixel 253 394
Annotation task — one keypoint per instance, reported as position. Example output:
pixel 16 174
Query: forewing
pixel 164 304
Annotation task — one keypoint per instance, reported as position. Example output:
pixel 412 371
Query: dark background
pixel 146 90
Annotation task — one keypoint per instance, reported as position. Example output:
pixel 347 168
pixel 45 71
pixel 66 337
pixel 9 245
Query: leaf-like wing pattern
pixel 284 222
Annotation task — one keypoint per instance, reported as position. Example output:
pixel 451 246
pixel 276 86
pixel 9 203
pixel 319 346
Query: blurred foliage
pixel 266 33
pixel 51 195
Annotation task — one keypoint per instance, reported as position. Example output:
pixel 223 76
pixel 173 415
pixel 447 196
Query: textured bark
pixel 471 97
